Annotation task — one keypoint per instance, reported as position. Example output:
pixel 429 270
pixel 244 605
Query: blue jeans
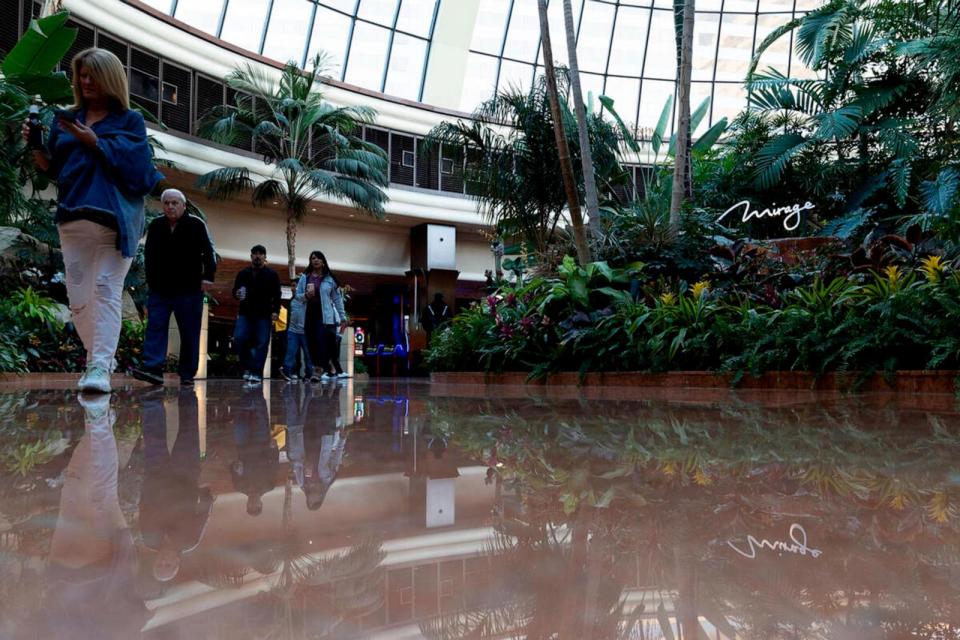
pixel 187 308
pixel 251 338
pixel 297 343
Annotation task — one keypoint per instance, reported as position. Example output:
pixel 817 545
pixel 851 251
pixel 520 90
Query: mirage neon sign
pixel 791 214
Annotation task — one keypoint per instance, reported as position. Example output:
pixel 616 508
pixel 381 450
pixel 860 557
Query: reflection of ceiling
pixel 626 47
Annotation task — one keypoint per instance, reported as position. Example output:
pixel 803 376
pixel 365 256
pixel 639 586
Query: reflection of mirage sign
pixel 791 213
pixel 797 544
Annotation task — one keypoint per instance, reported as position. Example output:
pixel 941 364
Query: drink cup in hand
pixel 311 289
pixel 242 293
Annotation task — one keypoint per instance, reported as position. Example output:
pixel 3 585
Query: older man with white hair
pixel 180 264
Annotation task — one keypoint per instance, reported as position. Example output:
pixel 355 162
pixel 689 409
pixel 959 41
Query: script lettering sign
pixel 791 214
pixel 796 545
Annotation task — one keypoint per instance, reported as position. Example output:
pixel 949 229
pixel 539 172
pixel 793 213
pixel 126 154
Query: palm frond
pixel 774 35
pixel 838 124
pixel 226 182
pixel 268 191
pixel 939 196
pixel 827 26
pixel 774 157
pixel 900 173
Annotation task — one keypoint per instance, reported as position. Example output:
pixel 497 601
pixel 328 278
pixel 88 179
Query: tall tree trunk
pixel 292 245
pixel 563 150
pixel 586 154
pixel 682 184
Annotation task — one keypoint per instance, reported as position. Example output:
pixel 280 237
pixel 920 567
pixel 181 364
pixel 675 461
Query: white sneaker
pixel 343 374
pixel 96 380
pixel 246 376
pixel 327 376
pixel 254 379
pixel 96 406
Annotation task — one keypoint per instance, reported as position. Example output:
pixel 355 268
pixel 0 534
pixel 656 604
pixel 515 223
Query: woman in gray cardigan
pixel 326 316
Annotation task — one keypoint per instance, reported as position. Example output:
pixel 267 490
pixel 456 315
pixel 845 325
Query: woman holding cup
pixel 326 316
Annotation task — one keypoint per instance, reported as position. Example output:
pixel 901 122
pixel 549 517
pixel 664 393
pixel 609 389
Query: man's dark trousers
pixel 251 338
pixel 187 308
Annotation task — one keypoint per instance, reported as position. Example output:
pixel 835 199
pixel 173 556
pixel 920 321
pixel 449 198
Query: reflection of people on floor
pixel 92 564
pixel 295 402
pixel 173 509
pixel 255 470
pixel 325 441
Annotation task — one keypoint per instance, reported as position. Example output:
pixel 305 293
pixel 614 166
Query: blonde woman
pixel 97 152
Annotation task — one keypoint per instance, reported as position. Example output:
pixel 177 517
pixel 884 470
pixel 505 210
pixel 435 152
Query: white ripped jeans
pixel 94 270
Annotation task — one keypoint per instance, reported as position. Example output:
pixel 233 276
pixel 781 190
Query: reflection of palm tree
pixel 561 585
pixel 340 586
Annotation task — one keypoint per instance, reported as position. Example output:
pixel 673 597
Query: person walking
pixel 98 154
pixel 325 313
pixel 435 315
pixel 258 289
pixel 180 264
pixel 296 338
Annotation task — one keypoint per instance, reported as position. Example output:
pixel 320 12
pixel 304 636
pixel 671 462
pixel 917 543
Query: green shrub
pixel 581 321
pixel 32 338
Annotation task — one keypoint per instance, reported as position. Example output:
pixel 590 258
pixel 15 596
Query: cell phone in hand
pixel 66 114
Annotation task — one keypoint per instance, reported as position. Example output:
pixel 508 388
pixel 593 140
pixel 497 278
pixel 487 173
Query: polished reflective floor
pixel 403 510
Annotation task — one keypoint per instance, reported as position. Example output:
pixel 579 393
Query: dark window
pixel 378 137
pixel 114 46
pixel 428 167
pixel 175 107
pixel 451 169
pixel 85 40
pixel 209 96
pixel 321 149
pixel 10 28
pixel 401 147
pixel 144 86
pixel 144 62
pixel 245 102
pixel 31 10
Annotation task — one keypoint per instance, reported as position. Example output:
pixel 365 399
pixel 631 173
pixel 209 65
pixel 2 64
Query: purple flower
pixel 492 304
pixel 511 299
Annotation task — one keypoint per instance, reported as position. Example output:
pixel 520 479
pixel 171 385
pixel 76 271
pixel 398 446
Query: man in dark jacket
pixel 258 289
pixel 180 264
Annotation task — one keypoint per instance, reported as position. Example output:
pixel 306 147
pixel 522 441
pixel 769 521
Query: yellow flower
pixel 701 478
pixel 668 299
pixel 700 288
pixel 932 267
pixel 893 274
pixel 669 468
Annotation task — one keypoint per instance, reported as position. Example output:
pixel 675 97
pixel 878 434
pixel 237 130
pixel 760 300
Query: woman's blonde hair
pixel 108 72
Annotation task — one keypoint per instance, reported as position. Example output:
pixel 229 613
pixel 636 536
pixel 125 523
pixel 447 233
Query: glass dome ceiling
pixel 626 47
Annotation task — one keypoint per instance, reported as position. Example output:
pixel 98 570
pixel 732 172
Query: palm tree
pixel 682 181
pixel 312 148
pixel 586 157
pixel 566 167
pixel 513 167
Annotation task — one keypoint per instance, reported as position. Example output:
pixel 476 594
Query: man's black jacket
pixel 263 292
pixel 177 260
